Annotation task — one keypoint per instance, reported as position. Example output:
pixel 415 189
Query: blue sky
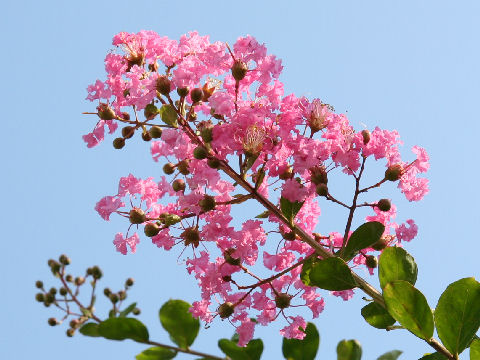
pixel 405 65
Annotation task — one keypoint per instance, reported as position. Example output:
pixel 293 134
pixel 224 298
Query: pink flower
pixel 107 205
pixel 406 233
pixel 245 332
pixel 293 330
pixel 121 243
pixel 344 294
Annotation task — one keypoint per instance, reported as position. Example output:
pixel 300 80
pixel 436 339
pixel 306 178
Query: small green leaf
pixel 263 215
pixel 475 350
pixel 349 350
pixel 156 353
pixel 457 315
pixel 434 356
pixel 253 350
pixel 396 264
pixel 306 349
pixel 391 355
pixel 90 329
pixel 364 236
pixel 168 115
pixel 179 322
pixel 409 307
pixel 127 310
pixel 377 316
pixel 332 274
pixel 290 209
pixel 123 328
pixel 306 268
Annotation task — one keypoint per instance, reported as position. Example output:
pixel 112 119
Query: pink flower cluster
pixel 232 117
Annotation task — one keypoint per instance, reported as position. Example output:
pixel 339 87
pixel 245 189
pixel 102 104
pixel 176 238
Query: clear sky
pixel 406 65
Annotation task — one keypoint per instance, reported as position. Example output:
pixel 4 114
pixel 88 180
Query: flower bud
pixel 107 292
pixel 318 175
pixel 207 203
pixel 239 70
pixel 371 261
pixel 229 259
pixel 146 136
pixel 128 131
pixel 49 298
pixel 113 298
pixel 393 172
pixel 287 174
pixel 178 185
pixel 191 236
pixel 214 163
pixel 155 132
pixel 282 300
pixel 64 259
pixel 206 132
pixel 151 229
pixel 168 168
pixel 380 244
pixel 136 311
pixel 196 95
pixel 40 297
pixel 366 136
pixel 137 216
pixel 122 295
pixel 200 152
pixel 384 205
pixel 289 236
pixel 39 284
pixel 170 219
pixel 52 321
pixel 63 291
pixel 79 280
pixel 118 143
pixel 227 278
pixel 97 272
pixel 129 282
pixel 53 291
pixel 69 278
pixel 74 323
pixel 225 310
pixel 322 190
pixel 70 332
pixel 153 67
pixel 182 92
pixel 164 86
pixel 183 168
pixel 105 112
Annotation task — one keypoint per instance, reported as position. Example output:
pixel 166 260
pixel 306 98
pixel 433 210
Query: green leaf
pixel 349 350
pixel 409 307
pixel 475 350
pixel 252 351
pixel 290 209
pixel 306 268
pixel 391 355
pixel 90 329
pixel 332 274
pixel 457 315
pixel 377 316
pixel 123 328
pixel 179 322
pixel 127 310
pixel 364 236
pixel 168 115
pixel 434 356
pixel 263 215
pixel 306 349
pixel 156 353
pixel 396 264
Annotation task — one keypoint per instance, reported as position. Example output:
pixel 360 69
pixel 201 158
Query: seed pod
pixel 393 172
pixel 118 143
pixel 137 216
pixel 322 190
pixel 178 185
pixel 128 131
pixel 200 153
pixel 239 70
pixel 164 86
pixel 168 168
pixel 146 136
pixel 155 132
pixel 183 167
pixel 225 310
pixel 384 204
pixel 318 175
pixel 196 95
pixel 282 300
pixel 214 163
pixel 151 229
pixel 207 203
pixel 191 236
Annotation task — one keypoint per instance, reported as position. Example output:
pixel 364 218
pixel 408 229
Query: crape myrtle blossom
pixel 224 132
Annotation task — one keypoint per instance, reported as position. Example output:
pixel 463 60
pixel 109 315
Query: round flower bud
pixel 182 167
pixel 322 190
pixel 239 70
pixel 64 259
pixel 107 292
pixel 191 236
pixel 53 291
pixel 380 244
pixel 287 174
pixel 207 203
pixel 146 136
pixel 128 131
pixel 129 282
pixel 63 291
pixel 289 236
pixel 137 216
pixel 182 92
pixel 227 278
pixel 52 321
pixel 366 136
pixel 318 175
pixel 69 278
pixel 125 116
pixel 282 300
pixel 196 95
pixel 200 153
pixel 136 311
pixel 70 332
pixel 49 298
pixel 164 86
pixel 168 168
pixel 178 185
pixel 105 112
pixel 384 205
pixel 229 259
pixel 39 284
pixel 155 132
pixel 371 261
pixel 74 323
pixel 113 298
pixel 393 172
pixel 214 163
pixel 79 280
pixel 89 272
pixel 97 273
pixel 118 143
pixel 40 297
pixel 225 310
pixel 151 229
pixel 122 294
